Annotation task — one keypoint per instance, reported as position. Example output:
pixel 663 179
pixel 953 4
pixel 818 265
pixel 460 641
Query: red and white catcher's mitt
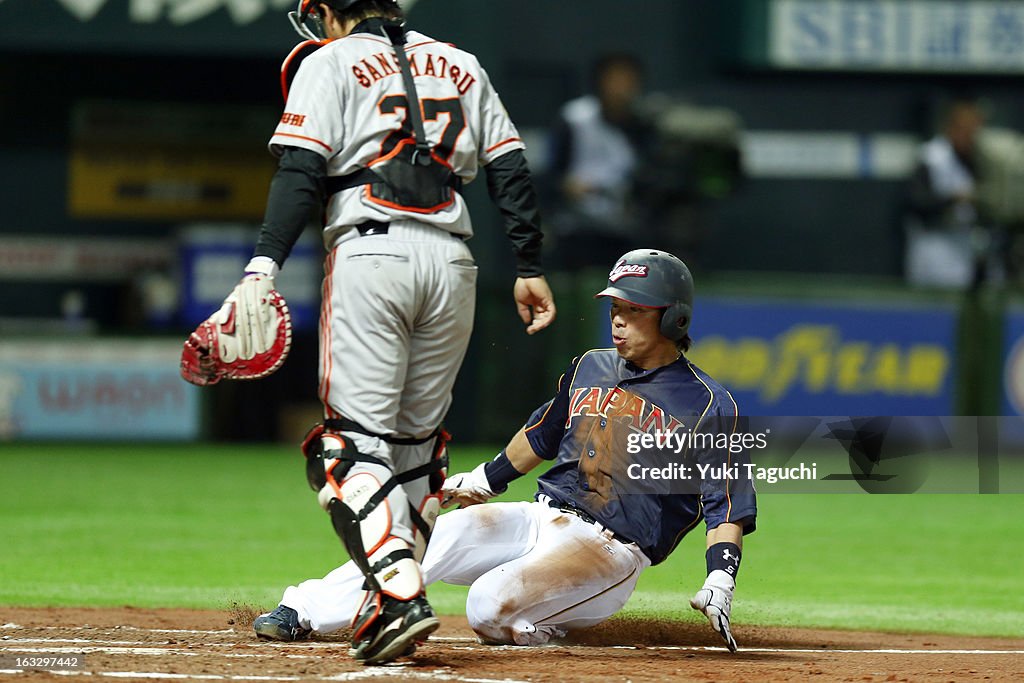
pixel 248 338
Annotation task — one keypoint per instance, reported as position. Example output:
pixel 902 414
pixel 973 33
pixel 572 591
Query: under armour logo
pixel 730 558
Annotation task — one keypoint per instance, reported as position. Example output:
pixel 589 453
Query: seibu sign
pixel 980 36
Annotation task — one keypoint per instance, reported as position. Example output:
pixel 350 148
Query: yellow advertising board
pixel 169 162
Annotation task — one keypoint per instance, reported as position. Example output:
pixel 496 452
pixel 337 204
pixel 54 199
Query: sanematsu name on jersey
pixel 602 401
pixel 348 103
pixel 438 66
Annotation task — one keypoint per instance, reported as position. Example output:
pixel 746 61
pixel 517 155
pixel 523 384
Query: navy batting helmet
pixel 655 279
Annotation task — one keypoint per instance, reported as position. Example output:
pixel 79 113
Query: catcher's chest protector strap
pixel 364 176
pixel 396 34
pixel 408 178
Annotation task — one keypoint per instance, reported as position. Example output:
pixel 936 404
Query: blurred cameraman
pixel 595 149
pixel 947 244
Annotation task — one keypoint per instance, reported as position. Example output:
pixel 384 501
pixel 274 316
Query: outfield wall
pixel 779 346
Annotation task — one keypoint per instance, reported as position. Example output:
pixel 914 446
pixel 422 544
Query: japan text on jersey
pixel 586 429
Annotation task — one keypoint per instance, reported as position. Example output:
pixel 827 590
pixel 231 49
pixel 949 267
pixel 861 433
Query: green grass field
pixel 207 526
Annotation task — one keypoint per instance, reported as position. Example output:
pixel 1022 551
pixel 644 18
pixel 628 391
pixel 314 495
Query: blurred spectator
pixel 694 161
pixel 595 149
pixel 947 245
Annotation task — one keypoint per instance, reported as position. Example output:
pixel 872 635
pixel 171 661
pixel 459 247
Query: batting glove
pixel 714 601
pixel 467 488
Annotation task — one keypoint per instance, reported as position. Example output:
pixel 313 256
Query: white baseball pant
pixel 534 572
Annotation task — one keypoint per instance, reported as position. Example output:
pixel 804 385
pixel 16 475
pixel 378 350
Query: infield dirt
pixel 174 644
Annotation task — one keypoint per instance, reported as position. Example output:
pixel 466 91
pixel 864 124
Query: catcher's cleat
pixel 397 629
pixel 409 651
pixel 280 624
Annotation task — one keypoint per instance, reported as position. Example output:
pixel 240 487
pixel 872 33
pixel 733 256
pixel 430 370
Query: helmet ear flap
pixel 675 321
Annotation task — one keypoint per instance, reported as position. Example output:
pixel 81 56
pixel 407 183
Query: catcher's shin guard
pixel 394 614
pixel 360 513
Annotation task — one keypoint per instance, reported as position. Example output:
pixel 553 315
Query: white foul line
pixel 157 675
pixel 821 650
pixel 154 649
pixel 118 628
pixel 367 673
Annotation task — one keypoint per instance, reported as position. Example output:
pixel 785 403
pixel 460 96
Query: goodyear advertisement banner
pixel 784 357
pixel 1012 400
pixel 102 389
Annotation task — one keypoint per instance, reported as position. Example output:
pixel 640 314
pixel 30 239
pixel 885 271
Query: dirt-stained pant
pixel 534 572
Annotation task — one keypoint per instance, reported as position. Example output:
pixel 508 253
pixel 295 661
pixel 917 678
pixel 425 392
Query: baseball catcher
pixel 382 128
pixel 572 558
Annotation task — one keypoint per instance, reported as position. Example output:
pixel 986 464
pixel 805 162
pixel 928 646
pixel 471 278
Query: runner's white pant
pixel 533 572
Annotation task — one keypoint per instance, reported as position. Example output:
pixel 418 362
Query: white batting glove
pixel 714 601
pixel 467 488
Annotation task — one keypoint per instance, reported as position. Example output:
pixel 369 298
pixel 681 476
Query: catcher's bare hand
pixel 714 601
pixel 248 338
pixel 535 302
pixel 467 488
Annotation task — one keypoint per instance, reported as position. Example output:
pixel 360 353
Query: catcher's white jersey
pixel 348 103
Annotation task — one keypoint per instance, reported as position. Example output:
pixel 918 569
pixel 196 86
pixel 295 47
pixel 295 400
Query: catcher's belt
pixel 372 228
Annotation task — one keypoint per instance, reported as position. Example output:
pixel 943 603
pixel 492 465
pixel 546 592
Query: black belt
pixel 369 228
pixel 573 510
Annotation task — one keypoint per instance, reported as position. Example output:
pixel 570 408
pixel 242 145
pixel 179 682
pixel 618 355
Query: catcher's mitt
pixel 248 338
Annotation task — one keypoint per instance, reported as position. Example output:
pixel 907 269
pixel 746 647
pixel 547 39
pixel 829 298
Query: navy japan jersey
pixel 612 423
